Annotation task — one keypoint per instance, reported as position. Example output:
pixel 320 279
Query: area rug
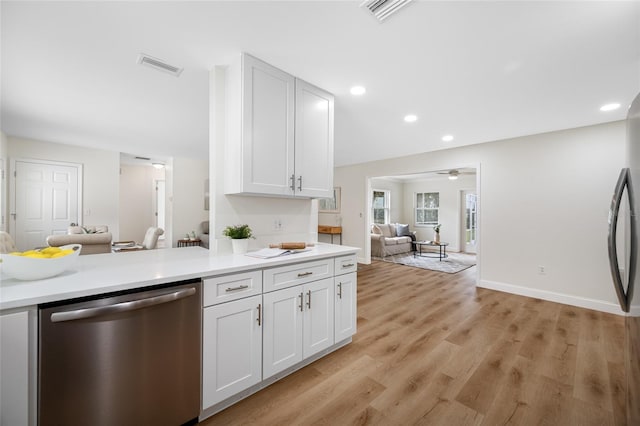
pixel 454 263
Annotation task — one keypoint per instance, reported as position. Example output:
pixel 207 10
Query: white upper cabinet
pixel 279 135
pixel 314 141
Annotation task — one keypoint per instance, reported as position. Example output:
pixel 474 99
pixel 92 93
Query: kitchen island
pixel 326 273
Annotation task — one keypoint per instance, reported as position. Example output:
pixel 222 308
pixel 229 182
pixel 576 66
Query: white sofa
pixel 391 238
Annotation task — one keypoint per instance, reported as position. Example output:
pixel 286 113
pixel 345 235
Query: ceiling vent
pixel 382 9
pixel 158 64
pixel 142 158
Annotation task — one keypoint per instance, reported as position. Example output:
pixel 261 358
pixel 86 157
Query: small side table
pixel 189 242
pixel 331 230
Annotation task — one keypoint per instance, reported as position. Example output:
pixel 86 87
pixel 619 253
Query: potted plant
pixel 436 233
pixel 239 235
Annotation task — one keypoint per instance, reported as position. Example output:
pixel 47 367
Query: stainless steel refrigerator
pixel 623 257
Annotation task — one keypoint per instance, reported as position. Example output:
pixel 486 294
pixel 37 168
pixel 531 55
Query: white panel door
pixel 318 316
pixel 231 349
pixel 282 334
pixel 267 130
pixel 345 307
pixel 314 141
pixel 46 201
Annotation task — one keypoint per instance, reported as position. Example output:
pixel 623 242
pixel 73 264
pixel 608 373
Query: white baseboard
pixel 597 305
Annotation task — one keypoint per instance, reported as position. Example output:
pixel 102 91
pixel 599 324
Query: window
pixel 427 204
pixel 380 206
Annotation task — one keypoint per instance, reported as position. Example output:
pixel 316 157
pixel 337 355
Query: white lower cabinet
pixel 260 323
pixel 298 323
pixel 346 306
pixel 17 350
pixel 231 348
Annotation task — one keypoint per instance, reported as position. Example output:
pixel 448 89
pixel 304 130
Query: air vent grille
pixel 382 9
pixel 143 158
pixel 158 64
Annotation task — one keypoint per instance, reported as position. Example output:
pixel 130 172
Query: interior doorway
pixel 160 205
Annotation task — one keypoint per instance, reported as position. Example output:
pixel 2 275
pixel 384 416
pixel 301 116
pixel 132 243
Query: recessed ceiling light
pixel 158 165
pixel 358 90
pixel 610 107
pixel 410 118
pixel 447 138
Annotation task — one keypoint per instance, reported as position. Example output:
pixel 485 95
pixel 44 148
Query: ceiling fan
pixel 454 173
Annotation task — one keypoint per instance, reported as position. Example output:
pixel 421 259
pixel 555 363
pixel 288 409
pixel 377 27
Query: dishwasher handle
pixel 122 307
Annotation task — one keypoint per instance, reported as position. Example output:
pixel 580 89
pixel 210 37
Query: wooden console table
pixel 331 230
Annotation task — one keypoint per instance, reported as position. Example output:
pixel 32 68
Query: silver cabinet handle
pixel 301 302
pixel 240 287
pixel 293 182
pixel 304 274
pixel 259 314
pixel 122 307
pixel 340 290
pixel 348 265
pixel 300 183
pixel 309 302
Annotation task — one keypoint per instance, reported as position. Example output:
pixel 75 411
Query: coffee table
pixel 442 249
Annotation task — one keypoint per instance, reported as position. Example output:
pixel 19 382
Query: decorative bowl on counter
pixel 33 268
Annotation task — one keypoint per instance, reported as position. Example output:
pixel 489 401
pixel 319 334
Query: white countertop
pixel 103 273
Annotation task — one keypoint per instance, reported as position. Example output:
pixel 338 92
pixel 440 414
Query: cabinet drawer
pixel 299 273
pixel 231 287
pixel 346 264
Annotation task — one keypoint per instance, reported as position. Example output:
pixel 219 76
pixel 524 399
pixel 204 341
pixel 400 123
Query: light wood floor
pixel 431 349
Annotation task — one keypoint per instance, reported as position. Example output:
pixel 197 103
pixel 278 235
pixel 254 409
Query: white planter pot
pixel 240 246
pixel 436 237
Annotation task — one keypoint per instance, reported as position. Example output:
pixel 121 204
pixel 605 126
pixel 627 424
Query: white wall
pixel 299 217
pixel 187 196
pixel 543 202
pixel 137 200
pixel 449 212
pixel 100 181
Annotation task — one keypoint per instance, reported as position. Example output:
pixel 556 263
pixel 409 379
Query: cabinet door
pixel 282 330
pixel 314 141
pixel 318 316
pixel 268 97
pixel 231 349
pixel 14 382
pixel 345 307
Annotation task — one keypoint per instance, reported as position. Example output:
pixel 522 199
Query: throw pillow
pixel 376 229
pixel 402 230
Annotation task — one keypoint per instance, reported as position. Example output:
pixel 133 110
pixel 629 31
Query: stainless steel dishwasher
pixel 129 358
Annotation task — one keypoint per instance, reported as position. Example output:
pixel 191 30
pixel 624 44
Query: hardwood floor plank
pixel 432 349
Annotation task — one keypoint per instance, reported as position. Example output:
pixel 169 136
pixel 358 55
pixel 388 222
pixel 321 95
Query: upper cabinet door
pixel 313 141
pixel 268 97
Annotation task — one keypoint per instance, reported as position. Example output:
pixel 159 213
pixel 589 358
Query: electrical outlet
pixel 277 225
pixel 542 270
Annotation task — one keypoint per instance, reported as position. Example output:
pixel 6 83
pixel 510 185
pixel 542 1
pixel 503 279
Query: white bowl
pixel 26 268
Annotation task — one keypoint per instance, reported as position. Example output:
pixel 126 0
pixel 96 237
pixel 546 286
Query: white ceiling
pixel 480 71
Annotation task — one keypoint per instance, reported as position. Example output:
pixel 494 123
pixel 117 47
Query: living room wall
pixel 449 214
pixel 100 200
pixel 543 202
pixel 102 177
